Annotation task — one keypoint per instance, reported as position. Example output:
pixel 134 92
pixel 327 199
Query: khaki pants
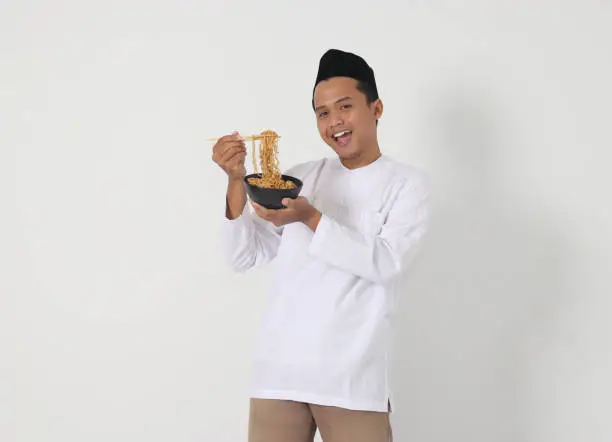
pixel 272 420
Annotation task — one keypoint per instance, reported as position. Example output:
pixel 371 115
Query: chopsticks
pixel 246 137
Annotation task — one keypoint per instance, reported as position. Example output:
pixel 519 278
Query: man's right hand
pixel 229 152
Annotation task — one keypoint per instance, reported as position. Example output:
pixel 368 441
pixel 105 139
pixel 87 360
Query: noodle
pixel 268 158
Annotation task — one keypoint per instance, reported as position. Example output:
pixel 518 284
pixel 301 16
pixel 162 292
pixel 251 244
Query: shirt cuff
pixel 240 219
pixel 235 228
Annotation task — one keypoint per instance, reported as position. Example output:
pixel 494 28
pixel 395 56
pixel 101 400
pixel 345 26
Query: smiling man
pixel 339 252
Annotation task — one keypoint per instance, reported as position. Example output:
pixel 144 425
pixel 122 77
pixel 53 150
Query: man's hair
pixel 368 90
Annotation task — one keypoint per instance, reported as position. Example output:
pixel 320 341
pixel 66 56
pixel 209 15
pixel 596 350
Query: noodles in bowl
pixel 268 187
pixel 270 177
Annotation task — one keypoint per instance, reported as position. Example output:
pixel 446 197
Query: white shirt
pixel 325 336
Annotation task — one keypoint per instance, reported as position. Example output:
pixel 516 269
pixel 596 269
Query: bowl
pixel 271 198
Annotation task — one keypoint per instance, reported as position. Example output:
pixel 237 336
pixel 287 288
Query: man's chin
pixel 347 154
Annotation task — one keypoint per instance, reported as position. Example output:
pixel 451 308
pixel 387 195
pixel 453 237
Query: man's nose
pixel 336 119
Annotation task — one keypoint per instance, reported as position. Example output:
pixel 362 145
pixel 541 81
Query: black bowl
pixel 271 198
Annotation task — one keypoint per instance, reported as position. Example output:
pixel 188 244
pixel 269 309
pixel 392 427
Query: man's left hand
pixel 296 210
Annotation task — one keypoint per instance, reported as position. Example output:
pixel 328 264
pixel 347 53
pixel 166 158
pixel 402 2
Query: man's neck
pixel 362 160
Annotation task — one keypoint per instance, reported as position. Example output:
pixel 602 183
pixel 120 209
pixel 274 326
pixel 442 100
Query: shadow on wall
pixel 489 270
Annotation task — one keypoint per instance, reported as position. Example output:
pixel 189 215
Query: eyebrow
pixel 339 100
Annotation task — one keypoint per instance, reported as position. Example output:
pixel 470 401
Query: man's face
pixel 346 122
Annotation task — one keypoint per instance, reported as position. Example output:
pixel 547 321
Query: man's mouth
pixel 343 137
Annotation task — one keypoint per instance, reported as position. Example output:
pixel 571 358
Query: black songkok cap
pixel 337 63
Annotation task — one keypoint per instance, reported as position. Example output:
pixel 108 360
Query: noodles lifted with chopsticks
pixel 268 158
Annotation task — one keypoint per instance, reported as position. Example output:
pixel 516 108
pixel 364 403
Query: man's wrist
pixel 312 220
pixel 235 199
pixel 234 180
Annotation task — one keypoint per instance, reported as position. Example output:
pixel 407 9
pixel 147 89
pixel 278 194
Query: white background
pixel 119 321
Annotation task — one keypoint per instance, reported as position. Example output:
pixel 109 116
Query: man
pixel 339 251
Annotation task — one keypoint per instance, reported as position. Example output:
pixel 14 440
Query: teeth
pixel 339 134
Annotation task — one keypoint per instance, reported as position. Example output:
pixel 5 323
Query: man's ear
pixel 377 108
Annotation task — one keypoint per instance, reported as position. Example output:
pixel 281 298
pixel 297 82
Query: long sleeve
pixel 382 255
pixel 250 242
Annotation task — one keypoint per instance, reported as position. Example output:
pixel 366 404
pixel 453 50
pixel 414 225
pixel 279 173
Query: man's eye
pixel 322 114
pixel 346 106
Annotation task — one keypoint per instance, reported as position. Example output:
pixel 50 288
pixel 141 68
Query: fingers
pixel 221 149
pixel 227 141
pixel 266 214
pixel 236 160
pixel 288 203
pixel 278 217
pixel 231 152
pixel 261 211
